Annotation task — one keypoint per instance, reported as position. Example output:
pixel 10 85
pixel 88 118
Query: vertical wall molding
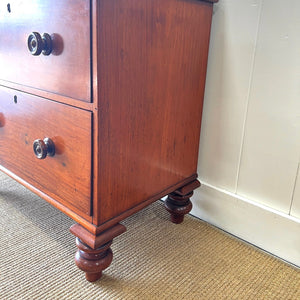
pixel 230 63
pixel 294 190
pixel 248 95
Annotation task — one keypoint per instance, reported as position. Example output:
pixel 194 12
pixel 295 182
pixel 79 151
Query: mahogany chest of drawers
pixel 100 108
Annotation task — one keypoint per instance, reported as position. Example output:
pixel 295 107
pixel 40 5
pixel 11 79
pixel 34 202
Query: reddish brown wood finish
pixel 178 202
pixel 94 253
pixel 152 66
pixel 66 176
pixel 120 96
pixel 48 95
pixel 67 70
pixel 93 261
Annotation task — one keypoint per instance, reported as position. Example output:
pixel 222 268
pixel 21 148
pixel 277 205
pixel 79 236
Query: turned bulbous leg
pixel 179 204
pixel 94 253
pixel 93 261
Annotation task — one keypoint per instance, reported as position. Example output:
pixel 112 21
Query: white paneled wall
pixel 271 145
pixel 234 31
pixel 250 140
pixel 295 207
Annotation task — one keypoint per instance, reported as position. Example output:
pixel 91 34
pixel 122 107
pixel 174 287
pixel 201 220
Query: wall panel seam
pixel 294 188
pixel 248 97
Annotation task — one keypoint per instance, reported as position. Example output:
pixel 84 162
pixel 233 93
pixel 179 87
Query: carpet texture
pixel 154 259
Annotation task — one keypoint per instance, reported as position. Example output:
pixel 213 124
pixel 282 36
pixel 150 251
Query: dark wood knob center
pixel 38 44
pixel 43 148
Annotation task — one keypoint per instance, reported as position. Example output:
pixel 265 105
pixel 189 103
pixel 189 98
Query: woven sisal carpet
pixel 154 259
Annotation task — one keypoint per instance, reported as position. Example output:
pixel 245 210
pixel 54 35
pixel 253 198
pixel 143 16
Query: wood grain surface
pixel 67 175
pixel 151 70
pixel 67 70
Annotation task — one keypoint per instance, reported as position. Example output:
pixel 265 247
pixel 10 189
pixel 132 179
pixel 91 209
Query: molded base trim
pixel 264 227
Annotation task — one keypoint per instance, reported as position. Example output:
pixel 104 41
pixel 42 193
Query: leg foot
pixel 94 253
pixel 93 261
pixel 179 204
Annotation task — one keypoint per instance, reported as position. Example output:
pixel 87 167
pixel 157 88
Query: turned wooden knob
pixel 38 44
pixel 43 148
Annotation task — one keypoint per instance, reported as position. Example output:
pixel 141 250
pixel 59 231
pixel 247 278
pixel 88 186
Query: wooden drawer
pixel 66 71
pixel 66 176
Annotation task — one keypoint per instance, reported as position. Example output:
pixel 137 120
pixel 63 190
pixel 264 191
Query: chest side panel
pixel 152 68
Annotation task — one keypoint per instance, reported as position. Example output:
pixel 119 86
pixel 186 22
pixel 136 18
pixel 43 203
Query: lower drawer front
pixel 66 176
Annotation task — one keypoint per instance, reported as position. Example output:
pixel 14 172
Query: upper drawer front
pixel 66 71
pixel 66 176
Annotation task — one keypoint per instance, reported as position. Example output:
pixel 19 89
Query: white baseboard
pixel 266 228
